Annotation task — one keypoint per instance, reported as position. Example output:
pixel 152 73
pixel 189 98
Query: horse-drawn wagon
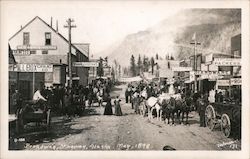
pixel 226 114
pixel 33 112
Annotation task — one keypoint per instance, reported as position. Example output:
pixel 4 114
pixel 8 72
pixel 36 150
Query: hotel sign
pixel 227 62
pixel 85 64
pixel 21 52
pixel 36 47
pixel 31 68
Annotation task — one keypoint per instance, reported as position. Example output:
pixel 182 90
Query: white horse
pixel 152 103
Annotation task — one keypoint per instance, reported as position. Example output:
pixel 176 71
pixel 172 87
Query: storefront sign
pixel 209 58
pixel 21 52
pixel 212 72
pixel 235 81
pixel 85 64
pixel 36 47
pixel 33 68
pixel 223 82
pixel 210 77
pixel 227 62
pixel 182 69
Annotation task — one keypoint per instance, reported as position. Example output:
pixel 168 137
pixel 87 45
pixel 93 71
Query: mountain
pixel 213 27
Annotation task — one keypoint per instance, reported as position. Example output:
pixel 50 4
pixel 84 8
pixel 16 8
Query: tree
pixel 156 56
pixel 152 63
pixel 139 65
pixel 145 64
pixel 100 68
pixel 132 65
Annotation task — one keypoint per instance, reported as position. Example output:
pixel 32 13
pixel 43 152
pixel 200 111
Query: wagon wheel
pixel 48 120
pixel 225 125
pixel 210 117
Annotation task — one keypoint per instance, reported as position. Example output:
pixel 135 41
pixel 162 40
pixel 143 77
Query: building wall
pixel 236 44
pixel 37 31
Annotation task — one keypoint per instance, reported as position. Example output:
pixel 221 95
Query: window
pixel 45 52
pixel 236 53
pixel 33 52
pixel 47 38
pixel 26 38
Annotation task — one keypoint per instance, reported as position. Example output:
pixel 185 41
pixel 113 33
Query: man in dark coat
pixel 202 103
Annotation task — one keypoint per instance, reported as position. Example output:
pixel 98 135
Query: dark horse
pixel 168 109
pixel 181 107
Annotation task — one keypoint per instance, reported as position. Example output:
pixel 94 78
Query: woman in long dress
pixel 108 108
pixel 118 110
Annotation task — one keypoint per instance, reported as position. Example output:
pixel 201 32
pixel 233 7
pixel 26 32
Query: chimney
pixel 57 26
pixel 51 21
pixel 21 27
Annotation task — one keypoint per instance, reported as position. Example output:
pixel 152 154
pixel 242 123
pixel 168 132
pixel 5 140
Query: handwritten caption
pixel 231 144
pixel 140 146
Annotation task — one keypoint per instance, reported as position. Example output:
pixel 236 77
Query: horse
pixel 187 106
pixel 151 104
pixel 169 109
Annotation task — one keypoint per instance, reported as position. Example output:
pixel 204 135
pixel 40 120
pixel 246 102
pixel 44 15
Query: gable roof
pixel 11 56
pixel 60 35
pixel 83 47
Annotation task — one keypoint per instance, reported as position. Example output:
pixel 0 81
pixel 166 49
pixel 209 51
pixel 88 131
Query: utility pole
pixel 69 26
pixel 195 43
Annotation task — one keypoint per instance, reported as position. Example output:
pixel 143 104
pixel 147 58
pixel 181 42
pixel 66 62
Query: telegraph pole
pixel 195 43
pixel 69 26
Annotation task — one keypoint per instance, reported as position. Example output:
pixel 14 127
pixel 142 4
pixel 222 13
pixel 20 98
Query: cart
pixel 32 111
pixel 225 114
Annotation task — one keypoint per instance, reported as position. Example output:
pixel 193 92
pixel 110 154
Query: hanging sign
pixel 182 69
pixel 85 64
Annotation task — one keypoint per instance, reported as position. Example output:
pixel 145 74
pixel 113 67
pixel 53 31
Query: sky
pixel 100 23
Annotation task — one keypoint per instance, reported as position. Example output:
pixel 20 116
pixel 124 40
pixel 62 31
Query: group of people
pixel 62 99
pixel 139 92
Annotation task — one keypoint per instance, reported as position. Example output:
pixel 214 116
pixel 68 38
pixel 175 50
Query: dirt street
pixel 95 131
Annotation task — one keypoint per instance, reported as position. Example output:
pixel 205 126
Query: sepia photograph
pixel 134 76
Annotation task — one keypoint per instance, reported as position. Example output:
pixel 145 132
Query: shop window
pixel 47 38
pixel 237 53
pixel 26 38
pixel 33 52
pixel 45 52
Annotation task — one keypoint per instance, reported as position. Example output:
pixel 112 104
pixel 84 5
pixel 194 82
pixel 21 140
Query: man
pixel 17 100
pixel 196 96
pixel 39 99
pixel 136 101
pixel 202 103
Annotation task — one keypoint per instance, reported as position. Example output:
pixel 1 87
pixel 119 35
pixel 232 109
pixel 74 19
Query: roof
pixel 83 47
pixel 60 35
pixel 164 71
pixel 11 57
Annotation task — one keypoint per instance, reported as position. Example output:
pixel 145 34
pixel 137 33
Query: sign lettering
pixel 85 64
pixel 36 47
pixel 227 62
pixel 33 68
